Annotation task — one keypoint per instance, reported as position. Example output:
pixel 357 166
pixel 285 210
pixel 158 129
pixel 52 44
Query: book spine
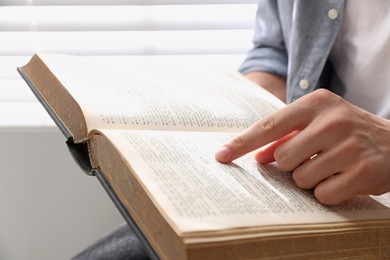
pixel 92 161
pixel 81 155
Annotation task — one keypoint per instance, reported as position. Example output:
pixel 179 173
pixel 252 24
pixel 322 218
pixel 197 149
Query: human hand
pixel 328 144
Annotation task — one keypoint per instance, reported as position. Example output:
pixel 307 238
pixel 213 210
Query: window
pixel 111 27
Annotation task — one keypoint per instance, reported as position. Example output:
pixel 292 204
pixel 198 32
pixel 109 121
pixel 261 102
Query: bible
pixel 150 128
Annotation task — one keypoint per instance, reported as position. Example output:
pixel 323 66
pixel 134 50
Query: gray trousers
pixel 119 245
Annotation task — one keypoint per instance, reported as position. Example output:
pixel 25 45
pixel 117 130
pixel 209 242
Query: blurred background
pixel 49 209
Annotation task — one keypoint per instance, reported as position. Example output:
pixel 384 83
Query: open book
pixel 151 129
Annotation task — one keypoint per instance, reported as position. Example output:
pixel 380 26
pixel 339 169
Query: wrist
pixel 272 83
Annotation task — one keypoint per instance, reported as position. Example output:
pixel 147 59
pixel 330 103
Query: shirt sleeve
pixel 269 52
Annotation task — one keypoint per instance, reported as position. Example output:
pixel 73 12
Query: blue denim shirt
pixel 293 39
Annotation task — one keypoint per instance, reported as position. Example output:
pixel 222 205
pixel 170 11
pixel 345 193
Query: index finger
pixel 271 128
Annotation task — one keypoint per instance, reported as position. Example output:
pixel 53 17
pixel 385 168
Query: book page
pixel 198 193
pixel 147 94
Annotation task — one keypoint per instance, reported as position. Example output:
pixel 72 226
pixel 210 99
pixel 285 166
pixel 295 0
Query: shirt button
pixel 304 84
pixel 333 14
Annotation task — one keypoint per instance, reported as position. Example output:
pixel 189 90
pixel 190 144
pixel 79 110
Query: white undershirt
pixel 361 55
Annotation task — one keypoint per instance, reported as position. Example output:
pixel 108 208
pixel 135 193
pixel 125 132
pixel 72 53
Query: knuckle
pixel 283 159
pixel 339 123
pixel 321 97
pixel 364 169
pixel 322 92
pixel 325 198
pixel 301 180
pixel 321 198
pixel 354 146
pixel 331 196
pixel 267 123
pixel 238 142
pixel 386 124
pixel 284 156
pixel 324 95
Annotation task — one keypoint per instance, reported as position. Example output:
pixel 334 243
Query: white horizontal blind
pixel 113 27
pixel 122 2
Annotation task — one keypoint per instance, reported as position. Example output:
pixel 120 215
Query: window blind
pixel 112 27
pixel 122 2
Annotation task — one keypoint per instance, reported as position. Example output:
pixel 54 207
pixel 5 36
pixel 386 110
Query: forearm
pixel 273 83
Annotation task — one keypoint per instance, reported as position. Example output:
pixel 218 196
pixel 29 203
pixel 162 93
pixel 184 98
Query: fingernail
pixel 222 154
